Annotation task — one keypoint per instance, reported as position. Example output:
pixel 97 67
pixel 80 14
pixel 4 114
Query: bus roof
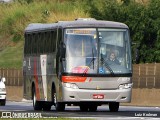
pixel 77 23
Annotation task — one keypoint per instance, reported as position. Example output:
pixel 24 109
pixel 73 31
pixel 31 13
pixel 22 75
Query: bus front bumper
pixel 87 95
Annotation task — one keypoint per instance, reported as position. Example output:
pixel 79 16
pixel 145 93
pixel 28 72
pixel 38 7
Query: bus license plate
pixel 98 96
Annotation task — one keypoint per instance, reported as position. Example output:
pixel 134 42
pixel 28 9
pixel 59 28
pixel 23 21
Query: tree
pixel 143 21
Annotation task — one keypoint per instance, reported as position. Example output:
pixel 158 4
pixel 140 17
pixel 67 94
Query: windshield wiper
pixel 92 58
pixel 92 61
pixel 103 62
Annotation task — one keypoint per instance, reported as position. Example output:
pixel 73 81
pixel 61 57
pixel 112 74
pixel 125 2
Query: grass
pixel 11 57
pixel 16 16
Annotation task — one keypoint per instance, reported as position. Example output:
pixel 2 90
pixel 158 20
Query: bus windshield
pixel 97 51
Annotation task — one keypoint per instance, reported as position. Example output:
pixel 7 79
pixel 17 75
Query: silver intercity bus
pixel 85 62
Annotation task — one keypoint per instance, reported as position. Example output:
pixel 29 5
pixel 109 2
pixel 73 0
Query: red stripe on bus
pixel 73 79
pixel 36 80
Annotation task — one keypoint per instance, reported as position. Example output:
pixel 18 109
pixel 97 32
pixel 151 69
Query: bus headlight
pixel 71 85
pixel 125 86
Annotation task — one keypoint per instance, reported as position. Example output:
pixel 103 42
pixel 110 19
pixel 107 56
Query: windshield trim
pixel 98 56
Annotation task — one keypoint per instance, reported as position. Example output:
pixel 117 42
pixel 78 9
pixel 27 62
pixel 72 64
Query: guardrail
pixel 13 76
pixel 144 76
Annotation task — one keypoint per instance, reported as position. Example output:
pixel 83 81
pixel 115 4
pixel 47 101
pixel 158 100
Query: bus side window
pixel 38 43
pixel 49 42
pixel 46 42
pixel 29 44
pixel 35 44
pixel 43 42
pixel 32 44
pixel 25 44
pixel 54 40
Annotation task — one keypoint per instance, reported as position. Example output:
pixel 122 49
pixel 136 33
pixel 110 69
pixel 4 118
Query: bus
pixel 68 63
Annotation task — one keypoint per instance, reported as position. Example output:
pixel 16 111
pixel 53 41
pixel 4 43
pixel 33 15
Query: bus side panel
pixel 50 74
pixel 33 77
pixel 27 76
pixel 47 76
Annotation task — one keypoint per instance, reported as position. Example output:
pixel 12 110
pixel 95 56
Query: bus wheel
pixel 93 108
pixel 36 104
pixel 114 106
pixel 59 106
pixel 47 107
pixel 83 108
pixel 3 102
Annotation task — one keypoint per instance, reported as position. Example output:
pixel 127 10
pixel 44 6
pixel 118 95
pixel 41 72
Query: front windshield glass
pixel 97 51
pixel 114 49
pixel 81 50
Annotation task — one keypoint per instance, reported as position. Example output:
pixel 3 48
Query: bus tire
pixel 36 104
pixel 47 107
pixel 114 106
pixel 83 108
pixel 93 108
pixel 58 105
pixel 3 102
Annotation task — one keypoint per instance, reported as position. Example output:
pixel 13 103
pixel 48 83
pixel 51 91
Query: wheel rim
pixel 34 99
pixel 55 98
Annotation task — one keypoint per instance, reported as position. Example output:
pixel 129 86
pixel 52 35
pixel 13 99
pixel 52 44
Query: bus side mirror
pixel 3 79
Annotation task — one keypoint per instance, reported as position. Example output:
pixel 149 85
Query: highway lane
pixel 125 112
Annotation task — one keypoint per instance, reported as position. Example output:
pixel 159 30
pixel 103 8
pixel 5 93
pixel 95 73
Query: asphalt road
pixel 25 109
